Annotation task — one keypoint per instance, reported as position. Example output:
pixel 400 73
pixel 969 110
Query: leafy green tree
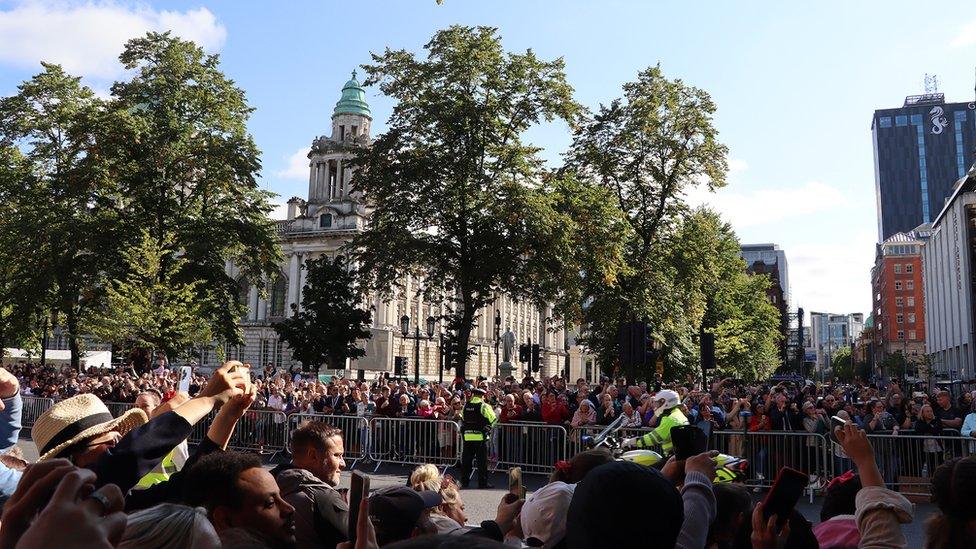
pixel 455 187
pixel 186 167
pixel 331 323
pixel 843 364
pixel 150 308
pixel 649 148
pixel 58 219
pixel 722 298
pixel 894 365
pixel 646 150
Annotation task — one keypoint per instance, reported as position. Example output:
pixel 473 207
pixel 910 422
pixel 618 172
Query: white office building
pixel 947 266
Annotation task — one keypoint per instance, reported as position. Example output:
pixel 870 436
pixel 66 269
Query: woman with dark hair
pixel 953 488
pixel 574 470
pixel 759 422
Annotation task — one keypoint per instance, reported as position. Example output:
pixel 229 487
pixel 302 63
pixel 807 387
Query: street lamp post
pixel 498 324
pixel 440 361
pixel 405 330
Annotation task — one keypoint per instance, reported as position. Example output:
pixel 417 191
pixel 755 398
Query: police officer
pixel 669 410
pixel 477 420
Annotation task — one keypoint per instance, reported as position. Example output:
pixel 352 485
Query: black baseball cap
pixel 598 517
pixel 395 510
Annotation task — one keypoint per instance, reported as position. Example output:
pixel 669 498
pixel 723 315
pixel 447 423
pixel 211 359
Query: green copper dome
pixel 353 99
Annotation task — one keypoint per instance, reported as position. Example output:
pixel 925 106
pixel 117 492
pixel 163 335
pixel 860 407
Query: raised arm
pixel 223 425
pixel 11 406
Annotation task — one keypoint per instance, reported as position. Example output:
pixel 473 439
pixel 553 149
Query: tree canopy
pixel 680 269
pixel 456 189
pixel 58 226
pixel 82 178
pixel 150 308
pixel 331 323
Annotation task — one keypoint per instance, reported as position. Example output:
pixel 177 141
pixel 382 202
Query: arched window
pixel 243 293
pixel 277 296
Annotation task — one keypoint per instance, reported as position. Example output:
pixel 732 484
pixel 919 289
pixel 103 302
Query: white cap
pixel 543 516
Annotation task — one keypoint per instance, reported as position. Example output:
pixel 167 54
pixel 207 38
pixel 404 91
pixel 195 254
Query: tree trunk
pixel 72 319
pixel 464 334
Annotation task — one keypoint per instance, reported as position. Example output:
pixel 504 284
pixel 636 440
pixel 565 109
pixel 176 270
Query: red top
pixel 510 414
pixel 554 414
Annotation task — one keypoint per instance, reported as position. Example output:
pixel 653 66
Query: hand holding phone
pixel 688 441
pixel 782 497
pixel 515 486
pixel 358 492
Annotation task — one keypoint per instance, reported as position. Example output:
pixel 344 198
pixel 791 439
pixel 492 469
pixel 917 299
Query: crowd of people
pixel 89 486
pixel 554 401
pixel 925 420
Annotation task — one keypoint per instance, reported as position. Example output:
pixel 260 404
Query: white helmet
pixel 669 398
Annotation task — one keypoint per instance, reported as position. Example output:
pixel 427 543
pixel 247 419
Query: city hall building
pixel 326 220
pixel 920 151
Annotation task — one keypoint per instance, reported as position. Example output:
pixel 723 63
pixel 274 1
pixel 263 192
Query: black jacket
pixel 321 514
pixel 139 452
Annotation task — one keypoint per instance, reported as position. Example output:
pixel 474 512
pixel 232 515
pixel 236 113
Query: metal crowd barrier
pixel 908 460
pixel 414 441
pixel 769 451
pixel 200 428
pixel 535 447
pixel 118 408
pixel 355 432
pixel 32 409
pixel 262 431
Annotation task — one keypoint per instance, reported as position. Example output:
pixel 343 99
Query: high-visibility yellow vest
pixel 477 418
pixel 662 433
pixel 172 463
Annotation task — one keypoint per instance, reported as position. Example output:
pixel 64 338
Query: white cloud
pixel 737 165
pixel 833 277
pixel 86 38
pixel 280 210
pixel 297 167
pixel 829 270
pixel 966 36
pixel 767 206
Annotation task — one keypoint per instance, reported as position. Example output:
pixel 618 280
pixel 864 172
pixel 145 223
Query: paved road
pixel 481 504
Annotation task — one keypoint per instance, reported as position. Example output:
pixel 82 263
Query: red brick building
pixel 899 306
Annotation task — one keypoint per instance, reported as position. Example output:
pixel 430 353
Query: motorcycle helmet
pixel 670 400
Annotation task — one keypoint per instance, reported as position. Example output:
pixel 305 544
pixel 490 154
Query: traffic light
pixel 634 341
pixel 400 366
pixel 448 352
pixel 523 353
pixel 707 351
pixel 536 357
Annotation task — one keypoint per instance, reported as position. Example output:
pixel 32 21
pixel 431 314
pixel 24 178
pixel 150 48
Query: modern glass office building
pixel 920 151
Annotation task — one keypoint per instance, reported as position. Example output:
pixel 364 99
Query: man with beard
pixel 309 483
pixel 242 501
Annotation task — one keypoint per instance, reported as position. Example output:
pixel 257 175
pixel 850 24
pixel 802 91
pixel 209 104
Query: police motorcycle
pixel 727 468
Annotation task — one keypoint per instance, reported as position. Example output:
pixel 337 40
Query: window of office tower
pixel 923 178
pixel 960 120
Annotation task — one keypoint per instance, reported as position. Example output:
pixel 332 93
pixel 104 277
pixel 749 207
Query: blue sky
pixel 795 87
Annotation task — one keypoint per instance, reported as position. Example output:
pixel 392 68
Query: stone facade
pixel 330 216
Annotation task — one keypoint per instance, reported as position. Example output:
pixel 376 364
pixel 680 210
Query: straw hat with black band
pixel 74 419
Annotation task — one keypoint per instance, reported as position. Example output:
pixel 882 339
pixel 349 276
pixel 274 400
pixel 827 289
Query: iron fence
pixel 414 441
pixel 535 447
pixel 33 407
pixel 355 432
